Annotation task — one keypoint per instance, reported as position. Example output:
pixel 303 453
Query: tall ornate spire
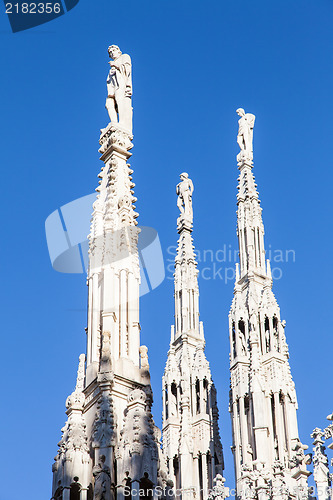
pixel 263 400
pixel 186 281
pixel 191 441
pixel 250 228
pixel 115 395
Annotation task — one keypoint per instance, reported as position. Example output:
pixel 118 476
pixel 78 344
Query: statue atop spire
pixel 263 404
pixel 245 131
pixel 119 85
pixel 184 191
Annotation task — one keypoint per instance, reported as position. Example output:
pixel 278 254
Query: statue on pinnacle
pixel 119 86
pixel 184 191
pixel 245 131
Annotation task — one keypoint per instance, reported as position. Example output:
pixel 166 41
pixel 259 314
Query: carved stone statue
pixel 268 340
pixel 119 85
pixel 242 341
pixel 185 191
pixel 101 472
pixel 299 459
pixel 245 131
pixel 144 357
pixel 219 491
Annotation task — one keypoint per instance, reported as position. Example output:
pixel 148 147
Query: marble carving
pixel 119 86
pixel 110 448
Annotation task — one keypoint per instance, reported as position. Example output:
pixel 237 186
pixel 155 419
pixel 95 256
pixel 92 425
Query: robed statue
pixel 101 473
pixel 185 190
pixel 119 86
pixel 245 131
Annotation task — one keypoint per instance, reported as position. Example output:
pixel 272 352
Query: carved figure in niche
pixel 197 395
pixel 242 336
pixel 173 401
pixel 267 340
pixel 245 131
pixel 242 341
pixel 276 344
pixel 119 86
pixel 184 191
pixel 205 396
pixel 101 473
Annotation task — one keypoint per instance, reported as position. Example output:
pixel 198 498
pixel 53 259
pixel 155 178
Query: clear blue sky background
pixel 194 63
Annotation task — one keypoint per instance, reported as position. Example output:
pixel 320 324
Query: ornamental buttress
pixel 110 445
pixel 191 440
pixel 269 457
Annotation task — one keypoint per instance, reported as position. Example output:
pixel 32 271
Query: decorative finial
pixel 80 374
pixel 76 399
pixel 184 191
pixel 172 334
pixel 105 369
pixel 144 357
pixel 269 271
pixel 245 132
pixel 201 330
pixel 119 86
pixel 237 272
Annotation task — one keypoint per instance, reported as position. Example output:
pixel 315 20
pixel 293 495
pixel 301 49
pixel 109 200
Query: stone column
pixel 196 476
pixel 95 318
pixel 204 475
pixel 237 439
pixel 133 333
pixel 123 312
pixel 260 429
pixel 243 424
pixel 116 308
pixel 279 425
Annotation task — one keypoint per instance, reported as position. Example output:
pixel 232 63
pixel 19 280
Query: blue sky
pixel 194 64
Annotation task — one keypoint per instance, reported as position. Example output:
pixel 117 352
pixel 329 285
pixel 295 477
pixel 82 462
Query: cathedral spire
pixel 250 228
pixel 186 281
pixel 191 440
pixel 263 402
pixel 119 446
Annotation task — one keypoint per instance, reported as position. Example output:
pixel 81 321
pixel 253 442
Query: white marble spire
pixel 263 400
pixel 119 448
pixel 250 228
pixel 186 281
pixel 191 441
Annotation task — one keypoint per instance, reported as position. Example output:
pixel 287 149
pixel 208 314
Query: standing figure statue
pixel 119 85
pixel 185 191
pixel 101 472
pixel 219 491
pixel 245 131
